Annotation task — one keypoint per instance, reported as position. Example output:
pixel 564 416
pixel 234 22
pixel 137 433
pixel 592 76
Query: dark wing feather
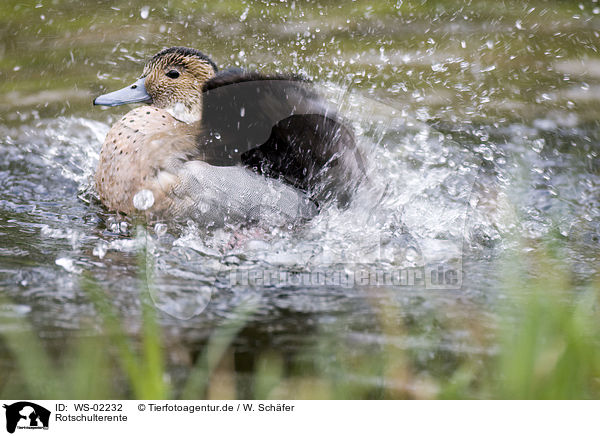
pixel 281 128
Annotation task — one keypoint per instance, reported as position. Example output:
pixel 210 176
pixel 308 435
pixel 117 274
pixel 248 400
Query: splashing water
pixel 427 202
pixel 143 200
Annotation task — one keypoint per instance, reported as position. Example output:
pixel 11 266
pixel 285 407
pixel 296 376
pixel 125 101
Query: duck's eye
pixel 173 74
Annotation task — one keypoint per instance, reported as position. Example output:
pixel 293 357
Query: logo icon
pixel 26 415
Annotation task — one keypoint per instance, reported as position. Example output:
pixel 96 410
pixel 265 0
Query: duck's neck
pixel 184 113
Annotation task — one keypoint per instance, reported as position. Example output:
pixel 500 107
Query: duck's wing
pixel 216 195
pixel 280 127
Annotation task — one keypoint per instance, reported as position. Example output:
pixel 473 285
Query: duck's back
pixel 280 127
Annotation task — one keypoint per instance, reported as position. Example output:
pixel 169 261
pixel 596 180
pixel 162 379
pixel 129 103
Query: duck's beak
pixel 134 93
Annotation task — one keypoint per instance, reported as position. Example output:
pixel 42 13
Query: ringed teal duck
pixel 218 147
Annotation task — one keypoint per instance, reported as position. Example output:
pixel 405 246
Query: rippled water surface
pixel 479 123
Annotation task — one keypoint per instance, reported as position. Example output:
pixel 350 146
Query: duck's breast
pixel 132 155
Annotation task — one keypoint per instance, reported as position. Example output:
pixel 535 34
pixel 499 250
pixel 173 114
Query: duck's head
pixel 172 80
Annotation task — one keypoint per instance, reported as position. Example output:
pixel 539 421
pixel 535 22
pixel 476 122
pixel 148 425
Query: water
pixel 480 127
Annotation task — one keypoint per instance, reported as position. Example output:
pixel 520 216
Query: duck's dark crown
pixel 185 51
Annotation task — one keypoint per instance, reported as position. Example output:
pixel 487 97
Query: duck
pixel 218 147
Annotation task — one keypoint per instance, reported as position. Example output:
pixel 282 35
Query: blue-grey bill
pixel 134 93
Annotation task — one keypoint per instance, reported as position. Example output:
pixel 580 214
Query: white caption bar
pixel 21 417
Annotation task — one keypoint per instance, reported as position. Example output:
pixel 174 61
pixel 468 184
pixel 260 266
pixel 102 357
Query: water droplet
pixel 144 12
pixel 68 264
pixel 245 14
pixel 204 207
pixel 538 145
pixel 100 249
pixel 487 154
pixel 411 254
pixel 160 229
pixel 143 200
pixel 439 67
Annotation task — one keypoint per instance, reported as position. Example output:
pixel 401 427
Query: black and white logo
pixel 26 415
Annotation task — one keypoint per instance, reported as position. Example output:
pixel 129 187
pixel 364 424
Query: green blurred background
pixel 458 60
